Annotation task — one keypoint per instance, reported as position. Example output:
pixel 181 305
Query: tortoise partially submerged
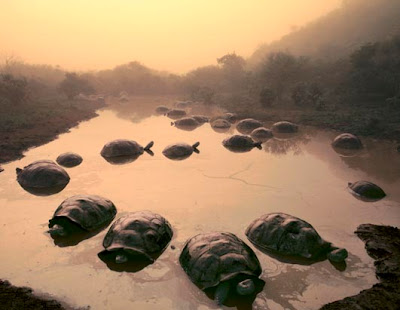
pixel 220 125
pixel 261 134
pixel 176 113
pixel 287 236
pixel 284 127
pixel 366 191
pixel 124 149
pixel 222 262
pixel 42 177
pixel 230 117
pixel 141 234
pixel 201 119
pixel 180 151
pixel 246 126
pixel 81 213
pixel 240 143
pixel 69 159
pixel 162 109
pixel 186 123
pixel 347 141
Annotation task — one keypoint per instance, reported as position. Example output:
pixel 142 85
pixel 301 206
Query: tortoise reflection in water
pixel 285 235
pixel 223 263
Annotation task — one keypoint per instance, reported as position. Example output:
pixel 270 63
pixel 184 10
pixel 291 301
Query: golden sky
pixel 173 35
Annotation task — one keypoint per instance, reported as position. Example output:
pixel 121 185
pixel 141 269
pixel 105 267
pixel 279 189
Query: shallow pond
pixel 216 190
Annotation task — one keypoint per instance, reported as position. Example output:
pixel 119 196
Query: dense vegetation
pixel 349 83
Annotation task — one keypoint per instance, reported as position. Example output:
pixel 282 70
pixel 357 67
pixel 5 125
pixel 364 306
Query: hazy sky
pixel 173 35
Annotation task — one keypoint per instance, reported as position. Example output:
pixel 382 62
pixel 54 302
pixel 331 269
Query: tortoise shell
pixel 285 127
pixel 69 159
pixel 143 232
pixel 286 235
pixel 161 109
pixel 246 126
pixel 89 212
pixel 347 141
pixel 367 190
pixel 122 147
pixel 261 134
pixel 42 174
pixel 211 258
pixel 176 113
pixel 179 151
pixel 187 123
pixel 201 119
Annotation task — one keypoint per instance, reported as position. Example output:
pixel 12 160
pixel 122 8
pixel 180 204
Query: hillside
pixel 340 32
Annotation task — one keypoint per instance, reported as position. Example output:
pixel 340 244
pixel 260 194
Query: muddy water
pixel 216 190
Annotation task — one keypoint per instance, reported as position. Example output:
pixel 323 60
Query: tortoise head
pixel 337 255
pixel 349 183
pixel 121 258
pixel 246 287
pixel 57 231
pixel 18 170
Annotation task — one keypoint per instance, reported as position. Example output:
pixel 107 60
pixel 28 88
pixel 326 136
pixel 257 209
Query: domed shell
pixel 121 147
pixel 211 258
pixel 89 212
pixel 286 235
pixel 285 127
pixel 246 126
pixel 42 174
pixel 367 190
pixel 221 124
pixel 180 151
pixel 69 159
pixel 261 134
pixel 143 232
pixel 240 141
pixel 176 113
pixel 347 141
pixel 201 119
pixel 161 109
pixel 186 122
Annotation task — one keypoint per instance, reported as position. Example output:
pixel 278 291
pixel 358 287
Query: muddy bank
pixel 383 245
pixel 17 298
pixel 24 128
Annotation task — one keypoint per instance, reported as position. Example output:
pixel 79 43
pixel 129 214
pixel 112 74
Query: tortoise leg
pixel 222 292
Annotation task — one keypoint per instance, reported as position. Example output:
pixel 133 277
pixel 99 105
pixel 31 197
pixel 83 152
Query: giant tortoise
pixel 222 262
pixel 42 177
pixel 80 214
pixel 285 235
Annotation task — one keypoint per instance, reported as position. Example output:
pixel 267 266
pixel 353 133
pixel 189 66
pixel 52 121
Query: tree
pixel 281 70
pixel 74 85
pixel 267 97
pixel 12 90
pixel 233 69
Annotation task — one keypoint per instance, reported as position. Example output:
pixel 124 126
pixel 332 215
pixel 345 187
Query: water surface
pixel 216 190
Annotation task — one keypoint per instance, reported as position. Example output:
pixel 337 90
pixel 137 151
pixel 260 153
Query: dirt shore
pixel 383 245
pixel 35 131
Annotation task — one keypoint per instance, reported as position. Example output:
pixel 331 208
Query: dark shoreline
pixel 383 245
pixel 17 140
